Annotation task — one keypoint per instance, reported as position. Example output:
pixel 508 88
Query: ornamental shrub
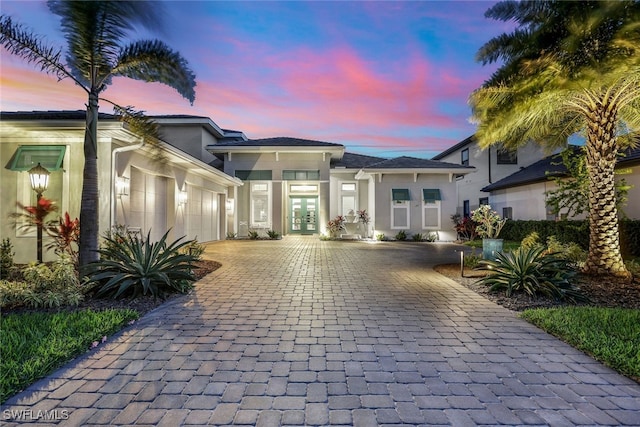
pixel 533 272
pixel 137 266
pixel 43 286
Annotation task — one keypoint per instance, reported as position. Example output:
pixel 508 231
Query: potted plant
pixel 335 226
pixel 363 218
pixel 489 225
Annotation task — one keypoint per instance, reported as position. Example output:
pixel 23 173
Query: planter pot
pixel 490 247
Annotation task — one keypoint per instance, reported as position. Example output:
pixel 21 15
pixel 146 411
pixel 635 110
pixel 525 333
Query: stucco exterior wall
pixel 64 189
pixel 488 170
pixel 192 139
pixel 383 203
pixel 280 189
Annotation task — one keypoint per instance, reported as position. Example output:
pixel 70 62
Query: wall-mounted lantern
pixel 39 177
pixel 182 198
pixel 122 186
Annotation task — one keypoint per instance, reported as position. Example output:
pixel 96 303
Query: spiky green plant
pixel 531 271
pixel 134 266
pixel 401 235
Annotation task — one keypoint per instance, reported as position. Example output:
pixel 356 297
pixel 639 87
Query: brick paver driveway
pixel 306 332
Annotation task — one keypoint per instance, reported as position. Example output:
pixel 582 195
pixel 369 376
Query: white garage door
pixel 148 203
pixel 202 214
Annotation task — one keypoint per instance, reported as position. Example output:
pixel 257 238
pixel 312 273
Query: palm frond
pixel 154 61
pixel 95 30
pixel 23 43
pixel 139 123
pixel 143 126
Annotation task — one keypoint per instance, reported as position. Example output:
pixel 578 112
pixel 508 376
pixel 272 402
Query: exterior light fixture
pixel 182 198
pixel 122 186
pixel 39 177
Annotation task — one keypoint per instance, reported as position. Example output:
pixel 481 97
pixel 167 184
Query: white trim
pixel 254 195
pixel 397 206
pixel 436 205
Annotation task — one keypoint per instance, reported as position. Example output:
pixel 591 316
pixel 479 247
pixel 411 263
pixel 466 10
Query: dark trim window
pixel 464 157
pixel 400 194
pixel 28 156
pixel 507 213
pixel 466 209
pixel 483 201
pixel 254 175
pixel 301 175
pixel 507 157
pixel 430 195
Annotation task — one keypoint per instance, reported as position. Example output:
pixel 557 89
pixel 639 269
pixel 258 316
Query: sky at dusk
pixel 380 77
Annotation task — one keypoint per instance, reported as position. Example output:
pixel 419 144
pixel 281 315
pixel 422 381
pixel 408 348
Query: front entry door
pixel 303 214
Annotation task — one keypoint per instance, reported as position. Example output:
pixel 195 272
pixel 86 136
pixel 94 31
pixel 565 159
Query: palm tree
pixel 567 67
pixel 97 50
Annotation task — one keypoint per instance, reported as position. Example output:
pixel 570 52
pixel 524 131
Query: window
pixel 400 195
pixel 28 156
pixel 464 157
pixel 466 209
pixel 261 204
pixel 301 175
pixel 254 175
pixel 507 213
pixel 348 198
pixel 507 157
pixel 483 201
pixel 431 208
pixel 400 208
pixel 304 188
pixel 431 194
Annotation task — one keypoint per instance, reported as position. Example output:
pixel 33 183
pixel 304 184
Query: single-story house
pixel 214 182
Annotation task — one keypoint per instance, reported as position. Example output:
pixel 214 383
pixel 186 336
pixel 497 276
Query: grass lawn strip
pixel 36 344
pixel 610 335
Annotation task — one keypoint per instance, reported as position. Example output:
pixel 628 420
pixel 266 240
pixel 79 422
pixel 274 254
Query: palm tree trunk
pixel 602 151
pixel 89 219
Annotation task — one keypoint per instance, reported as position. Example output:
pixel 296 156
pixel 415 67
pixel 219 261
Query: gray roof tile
pixel 406 162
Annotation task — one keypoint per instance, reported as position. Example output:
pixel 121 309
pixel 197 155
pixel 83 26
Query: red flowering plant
pixel 66 234
pixel 336 224
pixel 363 216
pixel 64 231
pixel 465 227
pixel 34 216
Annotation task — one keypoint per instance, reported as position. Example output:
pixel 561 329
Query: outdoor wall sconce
pixel 122 186
pixel 229 206
pixel 182 198
pixel 39 177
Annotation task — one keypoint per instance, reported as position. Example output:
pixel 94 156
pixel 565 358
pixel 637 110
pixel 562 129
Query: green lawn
pixel 610 335
pixel 36 344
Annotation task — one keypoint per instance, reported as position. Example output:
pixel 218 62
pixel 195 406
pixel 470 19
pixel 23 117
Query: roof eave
pixel 336 152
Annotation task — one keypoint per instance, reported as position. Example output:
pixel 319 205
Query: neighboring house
pixel 183 194
pixel 522 193
pixel 491 164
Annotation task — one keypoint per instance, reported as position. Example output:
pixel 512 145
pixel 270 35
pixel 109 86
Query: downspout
pixel 489 153
pixel 114 157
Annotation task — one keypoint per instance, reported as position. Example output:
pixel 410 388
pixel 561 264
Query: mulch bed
pixel 602 291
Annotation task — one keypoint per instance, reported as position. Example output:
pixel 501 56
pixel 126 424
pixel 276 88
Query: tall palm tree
pixel 567 67
pixel 97 50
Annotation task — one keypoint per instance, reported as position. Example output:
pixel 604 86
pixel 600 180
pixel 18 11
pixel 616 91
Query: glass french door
pixel 303 215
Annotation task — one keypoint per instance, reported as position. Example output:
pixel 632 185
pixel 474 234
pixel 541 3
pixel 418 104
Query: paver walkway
pixel 306 332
